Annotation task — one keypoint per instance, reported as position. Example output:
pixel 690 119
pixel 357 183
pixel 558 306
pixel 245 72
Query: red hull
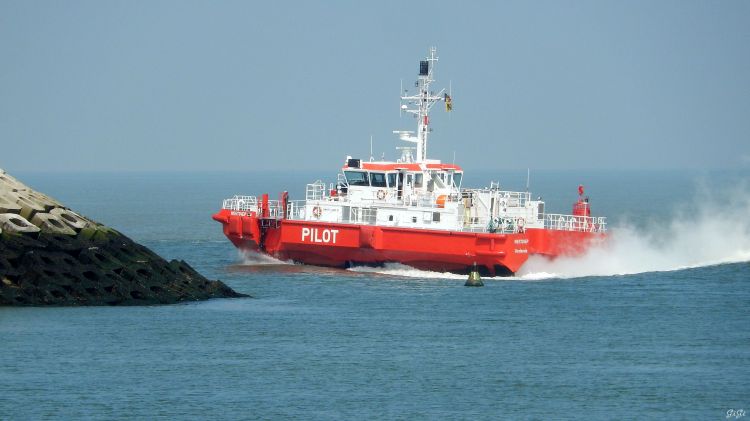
pixel 343 245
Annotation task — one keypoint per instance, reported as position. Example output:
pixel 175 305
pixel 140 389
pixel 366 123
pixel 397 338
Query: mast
pixel 420 104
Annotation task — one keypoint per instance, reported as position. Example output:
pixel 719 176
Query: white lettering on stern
pixel 318 235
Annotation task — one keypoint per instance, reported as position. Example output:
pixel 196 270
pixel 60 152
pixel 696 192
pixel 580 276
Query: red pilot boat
pixel 412 211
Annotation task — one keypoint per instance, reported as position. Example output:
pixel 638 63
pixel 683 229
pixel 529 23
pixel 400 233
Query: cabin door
pixel 400 186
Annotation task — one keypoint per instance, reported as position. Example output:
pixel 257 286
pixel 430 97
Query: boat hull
pixel 345 245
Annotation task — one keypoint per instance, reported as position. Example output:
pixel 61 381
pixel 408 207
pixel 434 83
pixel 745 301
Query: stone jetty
pixel 53 256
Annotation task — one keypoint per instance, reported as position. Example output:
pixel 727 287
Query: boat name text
pixel 316 235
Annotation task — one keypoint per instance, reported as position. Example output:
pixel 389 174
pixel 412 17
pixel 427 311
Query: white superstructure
pixel 417 192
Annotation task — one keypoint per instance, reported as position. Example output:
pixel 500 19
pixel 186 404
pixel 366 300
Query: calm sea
pixel 655 326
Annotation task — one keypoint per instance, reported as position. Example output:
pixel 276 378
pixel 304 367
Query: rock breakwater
pixel 51 255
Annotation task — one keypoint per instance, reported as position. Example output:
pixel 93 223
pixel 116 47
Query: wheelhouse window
pixel 418 180
pixel 357 178
pixel 457 179
pixel 392 179
pixel 377 179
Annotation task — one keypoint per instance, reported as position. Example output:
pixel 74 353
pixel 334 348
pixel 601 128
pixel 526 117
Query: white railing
pixel 508 198
pixel 341 180
pixel 315 191
pixel 499 225
pixel 295 209
pixel 368 215
pixel 241 203
pixel 274 209
pixel 575 223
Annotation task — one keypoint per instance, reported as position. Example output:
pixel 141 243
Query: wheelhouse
pixel 396 176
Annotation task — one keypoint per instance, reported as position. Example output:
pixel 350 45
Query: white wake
pixel 252 258
pixel 715 230
pixel 398 269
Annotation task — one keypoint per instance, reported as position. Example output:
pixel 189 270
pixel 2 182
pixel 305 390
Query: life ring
pixel 317 212
pixel 381 194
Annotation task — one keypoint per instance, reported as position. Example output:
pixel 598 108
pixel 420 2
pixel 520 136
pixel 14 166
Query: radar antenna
pixel 420 104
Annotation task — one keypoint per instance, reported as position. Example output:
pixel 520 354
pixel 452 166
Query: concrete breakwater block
pixel 14 223
pixel 29 206
pixel 40 199
pixel 7 182
pixel 51 223
pixel 16 197
pixel 72 219
pixel 51 255
pixel 8 203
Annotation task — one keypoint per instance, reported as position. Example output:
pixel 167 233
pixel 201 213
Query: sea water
pixel 655 325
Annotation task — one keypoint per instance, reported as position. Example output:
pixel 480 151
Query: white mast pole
pixel 423 102
pixel 424 106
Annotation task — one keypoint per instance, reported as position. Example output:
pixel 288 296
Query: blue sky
pixel 197 85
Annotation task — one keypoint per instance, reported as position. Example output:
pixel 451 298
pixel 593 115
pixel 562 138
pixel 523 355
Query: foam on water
pixel 398 269
pixel 713 230
pixel 258 259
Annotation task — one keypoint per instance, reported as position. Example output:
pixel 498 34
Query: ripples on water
pixel 386 343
